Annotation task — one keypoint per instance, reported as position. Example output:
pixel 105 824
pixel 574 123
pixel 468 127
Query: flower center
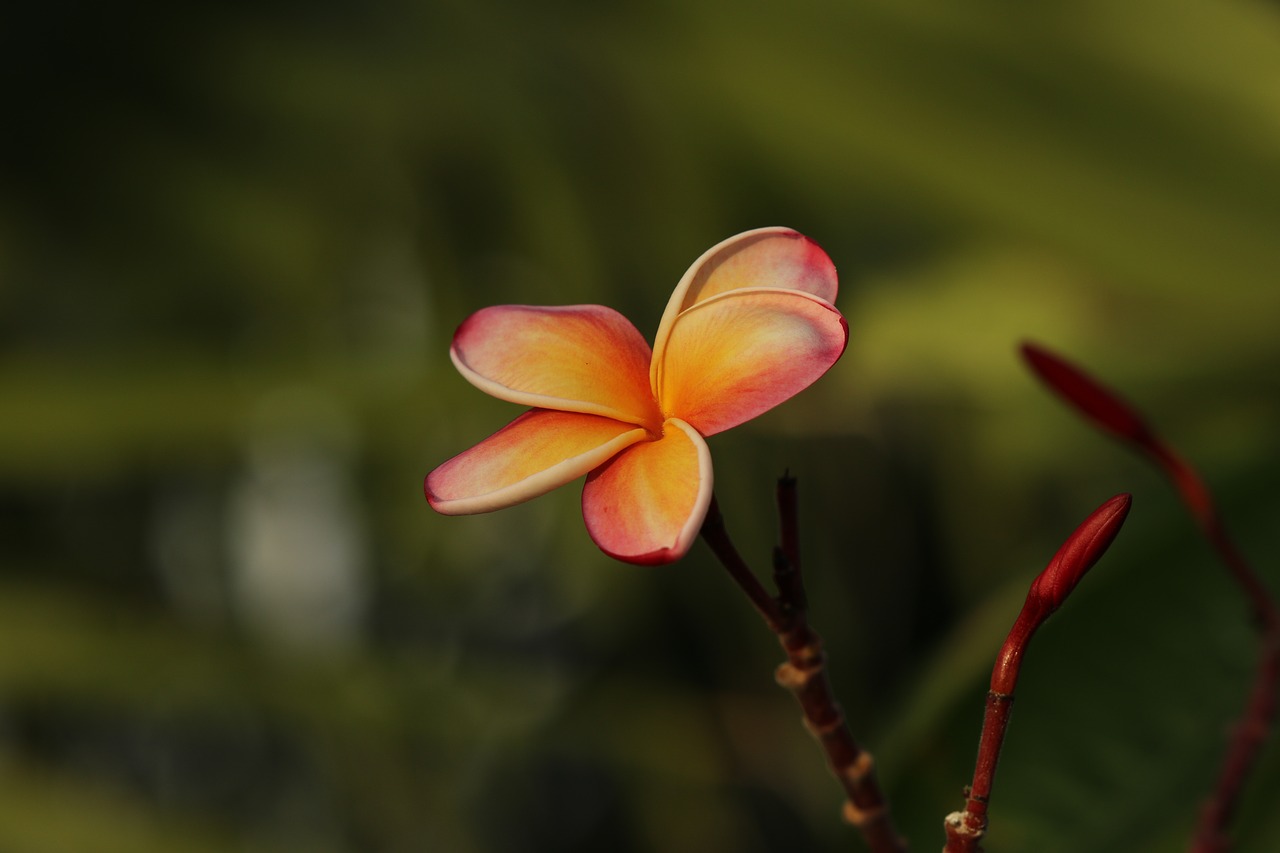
pixel 656 422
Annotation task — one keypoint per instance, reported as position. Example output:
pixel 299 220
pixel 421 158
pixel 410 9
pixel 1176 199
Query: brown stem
pixel 787 561
pixel 805 671
pixel 717 537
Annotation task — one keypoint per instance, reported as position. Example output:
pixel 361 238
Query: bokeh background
pixel 236 237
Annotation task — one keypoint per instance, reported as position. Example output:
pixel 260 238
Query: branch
pixel 805 671
pixel 1111 413
pixel 1049 590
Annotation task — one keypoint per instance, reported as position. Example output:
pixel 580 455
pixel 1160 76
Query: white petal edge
pixel 674 304
pixel 659 354
pixel 706 488
pixel 540 401
pixel 537 484
pixel 693 525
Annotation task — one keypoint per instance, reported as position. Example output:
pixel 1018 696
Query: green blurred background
pixel 236 237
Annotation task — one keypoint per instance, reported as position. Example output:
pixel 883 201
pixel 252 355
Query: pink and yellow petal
pixel 647 504
pixel 737 355
pixel 577 358
pixel 530 456
pixel 765 257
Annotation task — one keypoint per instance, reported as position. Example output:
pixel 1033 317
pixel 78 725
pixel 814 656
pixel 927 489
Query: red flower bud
pixel 1093 399
pixel 1083 548
pixel 1078 554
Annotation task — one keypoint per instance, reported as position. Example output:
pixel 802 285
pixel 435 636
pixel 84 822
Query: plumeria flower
pixel 751 324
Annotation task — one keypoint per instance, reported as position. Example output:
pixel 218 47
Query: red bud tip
pixel 1094 400
pixel 1051 587
pixel 1078 554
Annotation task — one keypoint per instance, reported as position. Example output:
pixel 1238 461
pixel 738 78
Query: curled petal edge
pixel 540 482
pixel 820 363
pixel 543 401
pixel 679 545
pixel 824 285
pixel 617 342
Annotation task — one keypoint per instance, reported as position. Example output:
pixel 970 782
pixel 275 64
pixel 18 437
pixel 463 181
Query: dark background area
pixel 235 240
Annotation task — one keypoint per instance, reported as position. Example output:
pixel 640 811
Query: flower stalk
pixel 805 671
pixel 965 829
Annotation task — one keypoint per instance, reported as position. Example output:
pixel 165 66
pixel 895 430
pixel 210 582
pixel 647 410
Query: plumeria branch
pixel 1110 413
pixel 965 829
pixel 805 671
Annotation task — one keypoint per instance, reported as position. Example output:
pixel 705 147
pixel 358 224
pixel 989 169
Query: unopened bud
pixel 1091 398
pixel 1083 548
pixel 1078 554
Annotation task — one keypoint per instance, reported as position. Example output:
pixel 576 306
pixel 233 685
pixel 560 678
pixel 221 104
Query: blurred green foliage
pixel 235 239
